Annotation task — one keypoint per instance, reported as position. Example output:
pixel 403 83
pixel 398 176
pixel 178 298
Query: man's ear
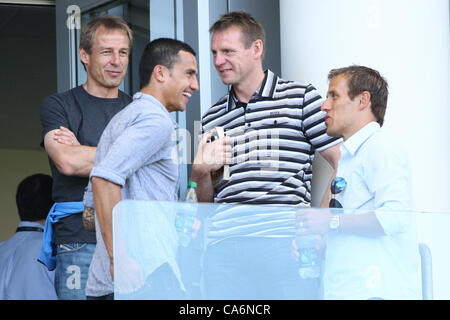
pixel 364 100
pixel 258 48
pixel 159 72
pixel 84 56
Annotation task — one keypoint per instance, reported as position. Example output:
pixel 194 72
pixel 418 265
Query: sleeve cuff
pixel 107 175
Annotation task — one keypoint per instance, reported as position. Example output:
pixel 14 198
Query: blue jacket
pixel 58 211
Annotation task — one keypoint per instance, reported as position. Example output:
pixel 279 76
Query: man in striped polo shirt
pixel 272 127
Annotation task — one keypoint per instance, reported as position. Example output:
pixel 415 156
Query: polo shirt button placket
pixel 247 126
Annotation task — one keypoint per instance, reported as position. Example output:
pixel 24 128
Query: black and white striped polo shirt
pixel 274 139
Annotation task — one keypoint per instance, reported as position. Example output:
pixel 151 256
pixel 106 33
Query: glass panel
pixel 154 259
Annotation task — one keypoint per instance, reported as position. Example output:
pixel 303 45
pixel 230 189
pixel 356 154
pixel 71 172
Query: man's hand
pixel 320 246
pixel 88 218
pixel 314 222
pixel 65 136
pixel 129 274
pixel 69 157
pixel 310 221
pixel 211 156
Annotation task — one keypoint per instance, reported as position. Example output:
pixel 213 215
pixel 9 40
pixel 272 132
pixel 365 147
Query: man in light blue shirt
pixel 372 249
pixel 134 156
pixel 22 277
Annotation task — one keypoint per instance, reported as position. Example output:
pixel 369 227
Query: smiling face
pixel 106 65
pixel 342 118
pixel 233 62
pixel 181 82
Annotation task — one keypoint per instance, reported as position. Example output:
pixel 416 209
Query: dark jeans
pixel 255 268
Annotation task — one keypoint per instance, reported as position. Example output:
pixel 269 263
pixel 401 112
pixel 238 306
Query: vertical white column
pixel 408 41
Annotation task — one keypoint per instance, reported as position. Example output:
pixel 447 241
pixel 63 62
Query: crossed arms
pixel 70 158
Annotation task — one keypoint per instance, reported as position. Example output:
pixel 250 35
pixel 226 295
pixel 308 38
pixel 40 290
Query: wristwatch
pixel 334 223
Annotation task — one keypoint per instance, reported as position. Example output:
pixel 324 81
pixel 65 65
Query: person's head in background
pixel 34 197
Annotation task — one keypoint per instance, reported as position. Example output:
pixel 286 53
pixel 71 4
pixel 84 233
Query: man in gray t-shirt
pixel 134 155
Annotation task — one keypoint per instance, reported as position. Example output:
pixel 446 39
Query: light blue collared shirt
pixel 22 277
pixel 377 172
pixel 137 151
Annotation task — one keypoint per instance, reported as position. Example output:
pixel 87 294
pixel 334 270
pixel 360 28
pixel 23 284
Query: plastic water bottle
pixel 186 215
pixel 309 265
pixel 191 195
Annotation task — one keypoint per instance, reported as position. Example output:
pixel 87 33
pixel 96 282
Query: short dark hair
pixel 34 197
pixel 251 29
pixel 361 78
pixel 161 51
pixel 88 30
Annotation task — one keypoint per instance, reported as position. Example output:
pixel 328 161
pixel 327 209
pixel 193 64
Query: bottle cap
pixel 192 184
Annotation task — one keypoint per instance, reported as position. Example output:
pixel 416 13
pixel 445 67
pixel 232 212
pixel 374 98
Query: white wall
pixel 408 42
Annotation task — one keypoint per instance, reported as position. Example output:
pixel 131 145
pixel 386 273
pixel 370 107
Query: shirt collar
pixel 357 140
pixel 267 90
pixel 30 224
pixel 141 95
